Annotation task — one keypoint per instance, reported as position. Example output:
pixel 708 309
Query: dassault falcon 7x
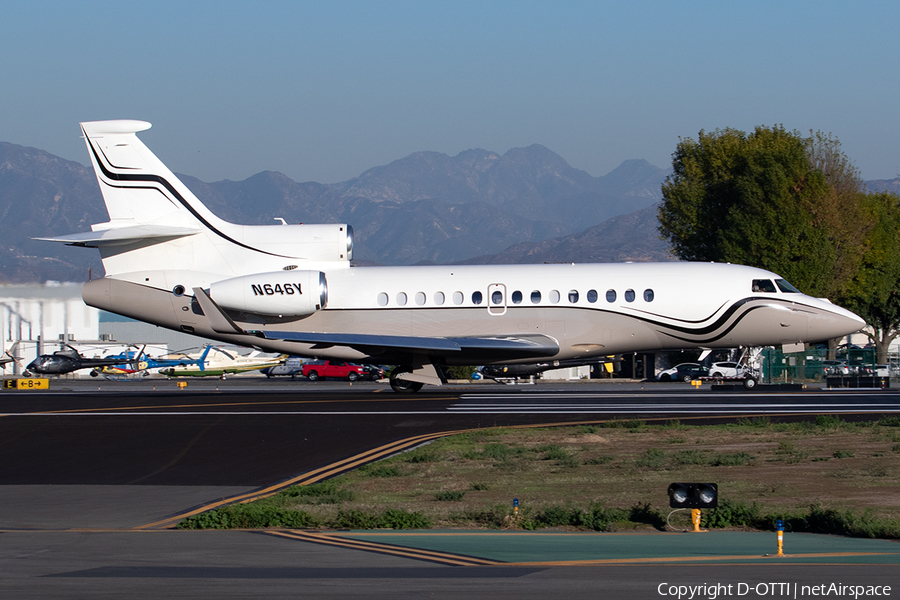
pixel 290 288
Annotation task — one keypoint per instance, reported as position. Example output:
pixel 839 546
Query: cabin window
pixel 457 298
pixel 629 295
pixel 517 297
pixel 610 295
pixel 439 298
pixel 420 298
pixel 554 296
pixel 477 297
pixel 648 295
pixel 496 297
pixel 535 297
pixel 573 296
pixel 763 285
pixel 401 298
pixel 382 299
pixel 785 287
pixel 592 296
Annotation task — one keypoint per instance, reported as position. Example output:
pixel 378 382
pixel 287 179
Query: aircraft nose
pixel 833 321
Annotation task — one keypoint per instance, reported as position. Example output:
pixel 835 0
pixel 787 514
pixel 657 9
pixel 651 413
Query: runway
pixel 235 433
pixel 121 462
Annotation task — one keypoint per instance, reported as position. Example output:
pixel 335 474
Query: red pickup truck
pixel 319 369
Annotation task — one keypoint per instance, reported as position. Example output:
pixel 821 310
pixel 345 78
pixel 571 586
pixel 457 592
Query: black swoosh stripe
pixel 162 181
pixel 719 322
pixel 720 335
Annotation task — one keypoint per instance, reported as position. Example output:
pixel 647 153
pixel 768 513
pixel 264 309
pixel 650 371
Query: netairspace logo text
pixel 711 591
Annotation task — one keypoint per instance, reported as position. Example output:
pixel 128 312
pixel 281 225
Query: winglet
pixel 218 320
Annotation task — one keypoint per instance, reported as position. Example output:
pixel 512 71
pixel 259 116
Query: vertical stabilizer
pixel 137 187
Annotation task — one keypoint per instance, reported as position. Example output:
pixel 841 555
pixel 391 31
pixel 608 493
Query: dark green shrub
pixel 733 514
pixel 652 458
pixel 690 457
pixel 374 470
pixel 249 516
pixel 642 513
pixel 556 516
pixel 325 492
pixel 389 519
pixel 403 519
pixel 355 519
pixel 422 455
pixel 449 496
pixel 497 451
pixel 828 421
pixel 732 460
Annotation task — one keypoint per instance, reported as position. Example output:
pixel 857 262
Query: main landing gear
pixel 402 386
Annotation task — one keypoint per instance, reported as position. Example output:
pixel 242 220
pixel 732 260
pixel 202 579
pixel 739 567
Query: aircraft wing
pixel 476 348
pixel 116 236
pixel 487 347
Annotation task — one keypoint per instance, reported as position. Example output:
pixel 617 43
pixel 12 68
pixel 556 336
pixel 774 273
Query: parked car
pixel 836 368
pixel 727 369
pixel 319 369
pixel 683 372
pixel 292 367
pixel 373 372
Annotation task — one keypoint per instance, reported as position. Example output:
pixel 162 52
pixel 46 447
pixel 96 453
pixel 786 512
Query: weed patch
pixel 375 470
pixel 449 496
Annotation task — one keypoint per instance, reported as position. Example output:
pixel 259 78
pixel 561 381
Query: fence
pixel 854 367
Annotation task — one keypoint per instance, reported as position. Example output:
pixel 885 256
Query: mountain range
pixel 525 205
pixel 478 207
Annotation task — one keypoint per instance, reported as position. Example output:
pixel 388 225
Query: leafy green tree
pixel 792 205
pixel 763 199
pixel 874 291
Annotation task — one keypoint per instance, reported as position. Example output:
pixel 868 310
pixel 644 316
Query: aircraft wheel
pixel 352 375
pixel 313 376
pixel 402 386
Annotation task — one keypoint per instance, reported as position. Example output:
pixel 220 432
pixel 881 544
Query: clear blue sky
pixel 324 90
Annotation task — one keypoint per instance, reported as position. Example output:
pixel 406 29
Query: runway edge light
pixel 693 495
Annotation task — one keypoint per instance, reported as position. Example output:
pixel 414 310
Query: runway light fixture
pixel 693 495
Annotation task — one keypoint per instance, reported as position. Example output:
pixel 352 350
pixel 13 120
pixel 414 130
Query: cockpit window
pixel 786 287
pixel 763 285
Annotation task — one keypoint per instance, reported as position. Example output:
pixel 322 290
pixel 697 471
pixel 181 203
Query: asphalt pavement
pixel 94 474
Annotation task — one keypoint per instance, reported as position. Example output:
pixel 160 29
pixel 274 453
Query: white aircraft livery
pixel 290 288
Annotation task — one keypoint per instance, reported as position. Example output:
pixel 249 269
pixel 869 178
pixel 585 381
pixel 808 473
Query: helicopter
pixel 130 364
pixel 66 361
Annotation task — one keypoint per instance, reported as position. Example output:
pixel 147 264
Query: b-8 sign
pixel 26 383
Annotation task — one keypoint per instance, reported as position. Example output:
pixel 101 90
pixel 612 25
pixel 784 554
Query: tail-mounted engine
pixel 279 294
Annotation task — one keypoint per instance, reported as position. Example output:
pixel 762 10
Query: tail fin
pixel 203 356
pixel 137 187
pixel 156 223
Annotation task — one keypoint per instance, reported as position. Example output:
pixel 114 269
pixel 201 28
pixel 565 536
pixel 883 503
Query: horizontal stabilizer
pixel 489 347
pixel 118 236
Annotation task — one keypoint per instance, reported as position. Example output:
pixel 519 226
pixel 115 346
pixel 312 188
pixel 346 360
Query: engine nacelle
pixel 279 294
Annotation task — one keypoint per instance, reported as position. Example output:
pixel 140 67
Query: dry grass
pixel 782 467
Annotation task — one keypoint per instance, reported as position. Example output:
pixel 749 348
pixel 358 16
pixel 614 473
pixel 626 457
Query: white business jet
pixel 290 288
